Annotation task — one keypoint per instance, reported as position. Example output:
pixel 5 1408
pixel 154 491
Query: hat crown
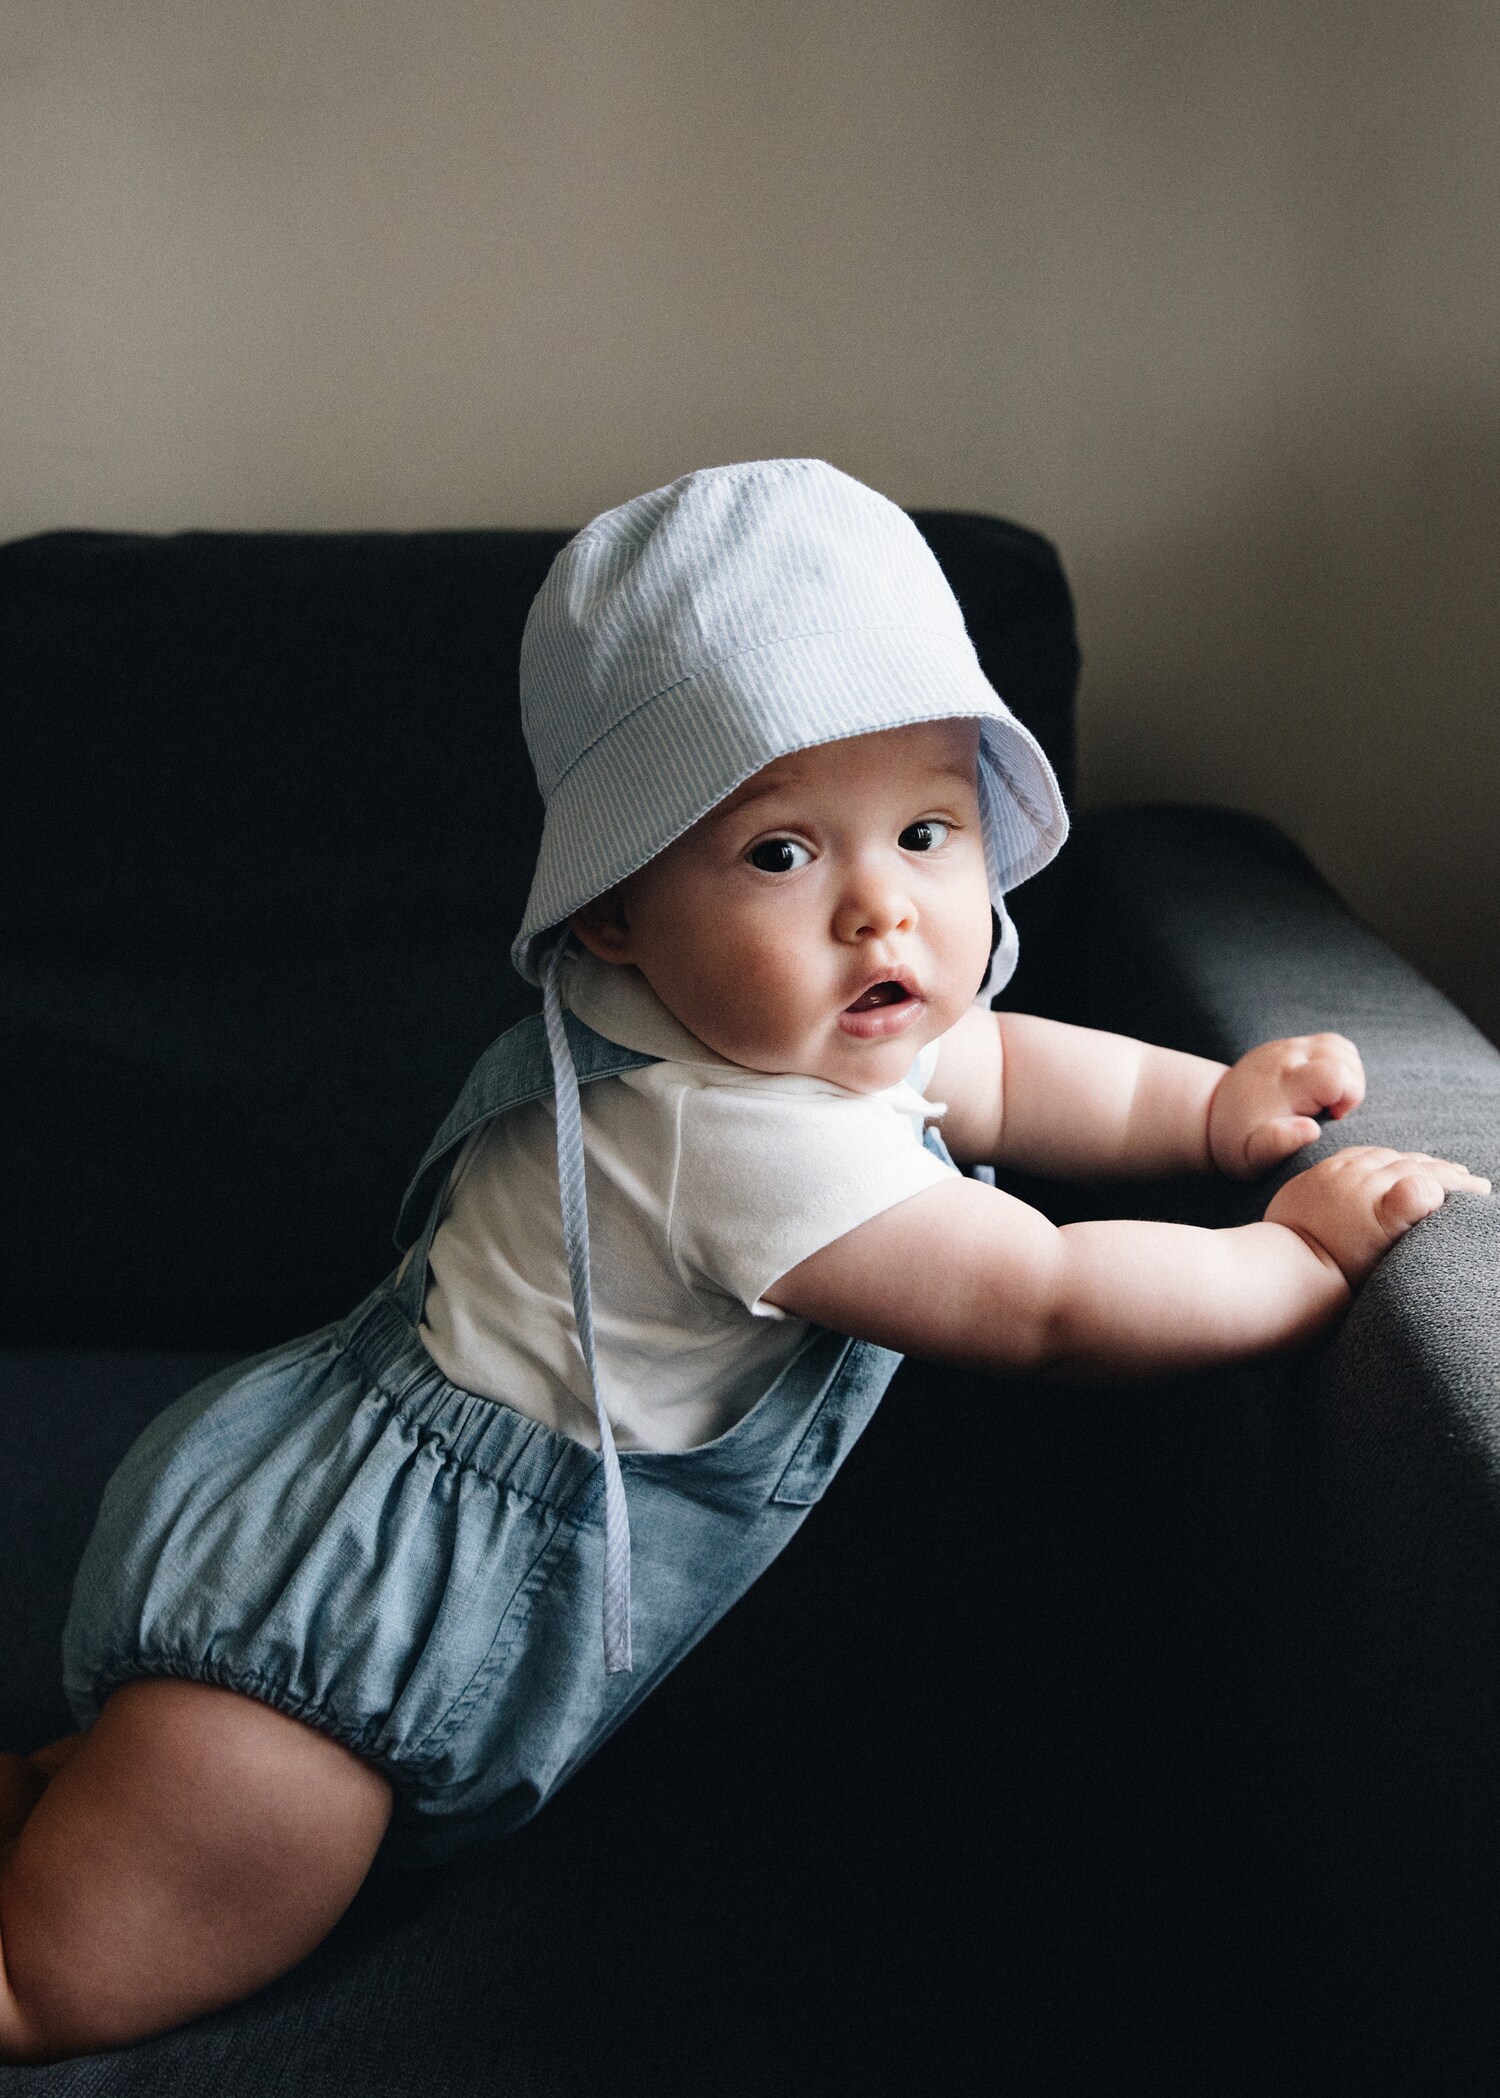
pixel 692 636
pixel 724 561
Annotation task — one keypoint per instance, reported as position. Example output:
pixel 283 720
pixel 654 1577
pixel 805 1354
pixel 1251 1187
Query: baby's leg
pixel 23 1780
pixel 196 1845
pixel 21 1786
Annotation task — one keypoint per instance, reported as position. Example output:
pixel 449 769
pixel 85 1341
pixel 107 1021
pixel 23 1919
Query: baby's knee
pixel 196 1846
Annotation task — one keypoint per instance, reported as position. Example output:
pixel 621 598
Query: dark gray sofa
pixel 1084 1741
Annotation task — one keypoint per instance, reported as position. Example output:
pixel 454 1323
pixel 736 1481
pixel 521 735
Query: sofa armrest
pixel 1211 928
pixel 1332 1530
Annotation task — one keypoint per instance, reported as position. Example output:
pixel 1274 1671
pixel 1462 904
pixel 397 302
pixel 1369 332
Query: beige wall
pixel 1206 292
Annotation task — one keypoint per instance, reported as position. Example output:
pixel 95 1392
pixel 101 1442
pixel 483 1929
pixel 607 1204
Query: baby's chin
pixel 857 1067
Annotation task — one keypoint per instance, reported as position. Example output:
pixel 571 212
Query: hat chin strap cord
pixel 575 1223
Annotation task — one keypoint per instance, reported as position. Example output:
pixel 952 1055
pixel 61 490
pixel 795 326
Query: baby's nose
pixel 873 909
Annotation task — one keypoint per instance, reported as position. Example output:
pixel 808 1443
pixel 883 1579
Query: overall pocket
pixel 840 1420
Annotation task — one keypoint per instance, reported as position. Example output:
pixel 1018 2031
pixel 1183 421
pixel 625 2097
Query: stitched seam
pixel 510 1624
pixel 542 1091
pixel 676 1257
pixel 756 648
pixel 844 1441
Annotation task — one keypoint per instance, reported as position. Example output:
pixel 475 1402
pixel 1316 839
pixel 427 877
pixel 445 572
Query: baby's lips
pixel 885 990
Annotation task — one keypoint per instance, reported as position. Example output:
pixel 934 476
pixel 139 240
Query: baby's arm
pixel 969 1275
pixel 1069 1102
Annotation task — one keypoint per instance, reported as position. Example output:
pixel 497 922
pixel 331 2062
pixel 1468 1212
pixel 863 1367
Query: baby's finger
pixel 1448 1170
pixel 1360 1158
pixel 1416 1194
pixel 1417 1186
pixel 1453 1176
pixel 1271 1142
pixel 1331 1082
pixel 1365 1159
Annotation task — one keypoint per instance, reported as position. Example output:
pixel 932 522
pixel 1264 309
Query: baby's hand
pixel 1355 1205
pixel 1263 1107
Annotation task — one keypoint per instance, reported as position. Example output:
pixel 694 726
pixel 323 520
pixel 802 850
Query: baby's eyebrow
pixel 935 776
pixel 751 791
pixel 756 788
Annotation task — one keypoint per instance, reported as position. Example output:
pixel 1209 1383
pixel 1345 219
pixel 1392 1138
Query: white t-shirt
pixel 706 1182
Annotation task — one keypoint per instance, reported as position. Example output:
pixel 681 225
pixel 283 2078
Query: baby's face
pixel 829 918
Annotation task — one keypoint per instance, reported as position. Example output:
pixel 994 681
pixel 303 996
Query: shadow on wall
pixel 1317 640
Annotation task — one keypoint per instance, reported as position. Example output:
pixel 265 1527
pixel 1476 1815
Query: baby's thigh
pixel 196 1845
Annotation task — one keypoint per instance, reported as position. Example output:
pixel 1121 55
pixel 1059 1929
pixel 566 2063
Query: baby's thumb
pixel 1408 1200
pixel 1268 1145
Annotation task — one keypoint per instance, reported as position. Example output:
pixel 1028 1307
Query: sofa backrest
pixel 269 830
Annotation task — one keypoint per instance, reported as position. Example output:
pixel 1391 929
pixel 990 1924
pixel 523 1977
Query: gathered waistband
pixel 474 1433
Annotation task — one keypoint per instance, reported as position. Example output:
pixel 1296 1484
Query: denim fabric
pixel 334 1528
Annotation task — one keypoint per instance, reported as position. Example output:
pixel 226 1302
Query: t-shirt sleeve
pixel 766 1179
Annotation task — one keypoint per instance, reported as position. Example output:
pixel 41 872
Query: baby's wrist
pixel 1324 1254
pixel 1314 1245
pixel 1218 1142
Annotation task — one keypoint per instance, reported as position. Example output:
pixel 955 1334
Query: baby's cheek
pixel 982 945
pixel 765 967
pixel 748 999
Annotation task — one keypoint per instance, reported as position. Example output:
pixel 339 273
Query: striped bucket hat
pixel 689 637
pixel 680 643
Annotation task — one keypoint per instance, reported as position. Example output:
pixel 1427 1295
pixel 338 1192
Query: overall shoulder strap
pixel 552 1053
pixel 514 1069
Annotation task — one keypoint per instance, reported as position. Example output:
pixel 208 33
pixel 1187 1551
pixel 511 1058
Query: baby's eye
pixel 925 836
pixel 778 855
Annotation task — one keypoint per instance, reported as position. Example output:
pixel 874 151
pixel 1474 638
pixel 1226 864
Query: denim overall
pixel 335 1529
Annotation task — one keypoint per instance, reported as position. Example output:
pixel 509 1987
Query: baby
pixel 347 1598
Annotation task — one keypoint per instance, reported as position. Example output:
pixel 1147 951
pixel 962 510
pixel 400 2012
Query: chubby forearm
pixel 1132 1299
pixel 1072 1103
pixel 966 1274
pixel 1078 1103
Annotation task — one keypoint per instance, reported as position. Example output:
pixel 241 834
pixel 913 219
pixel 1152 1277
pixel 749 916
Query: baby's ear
pixel 600 924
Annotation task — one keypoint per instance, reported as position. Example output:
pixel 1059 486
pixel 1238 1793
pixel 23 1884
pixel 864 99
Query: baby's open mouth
pixel 887 993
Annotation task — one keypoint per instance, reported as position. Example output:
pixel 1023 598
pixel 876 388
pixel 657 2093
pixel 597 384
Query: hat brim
pixel 682 751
